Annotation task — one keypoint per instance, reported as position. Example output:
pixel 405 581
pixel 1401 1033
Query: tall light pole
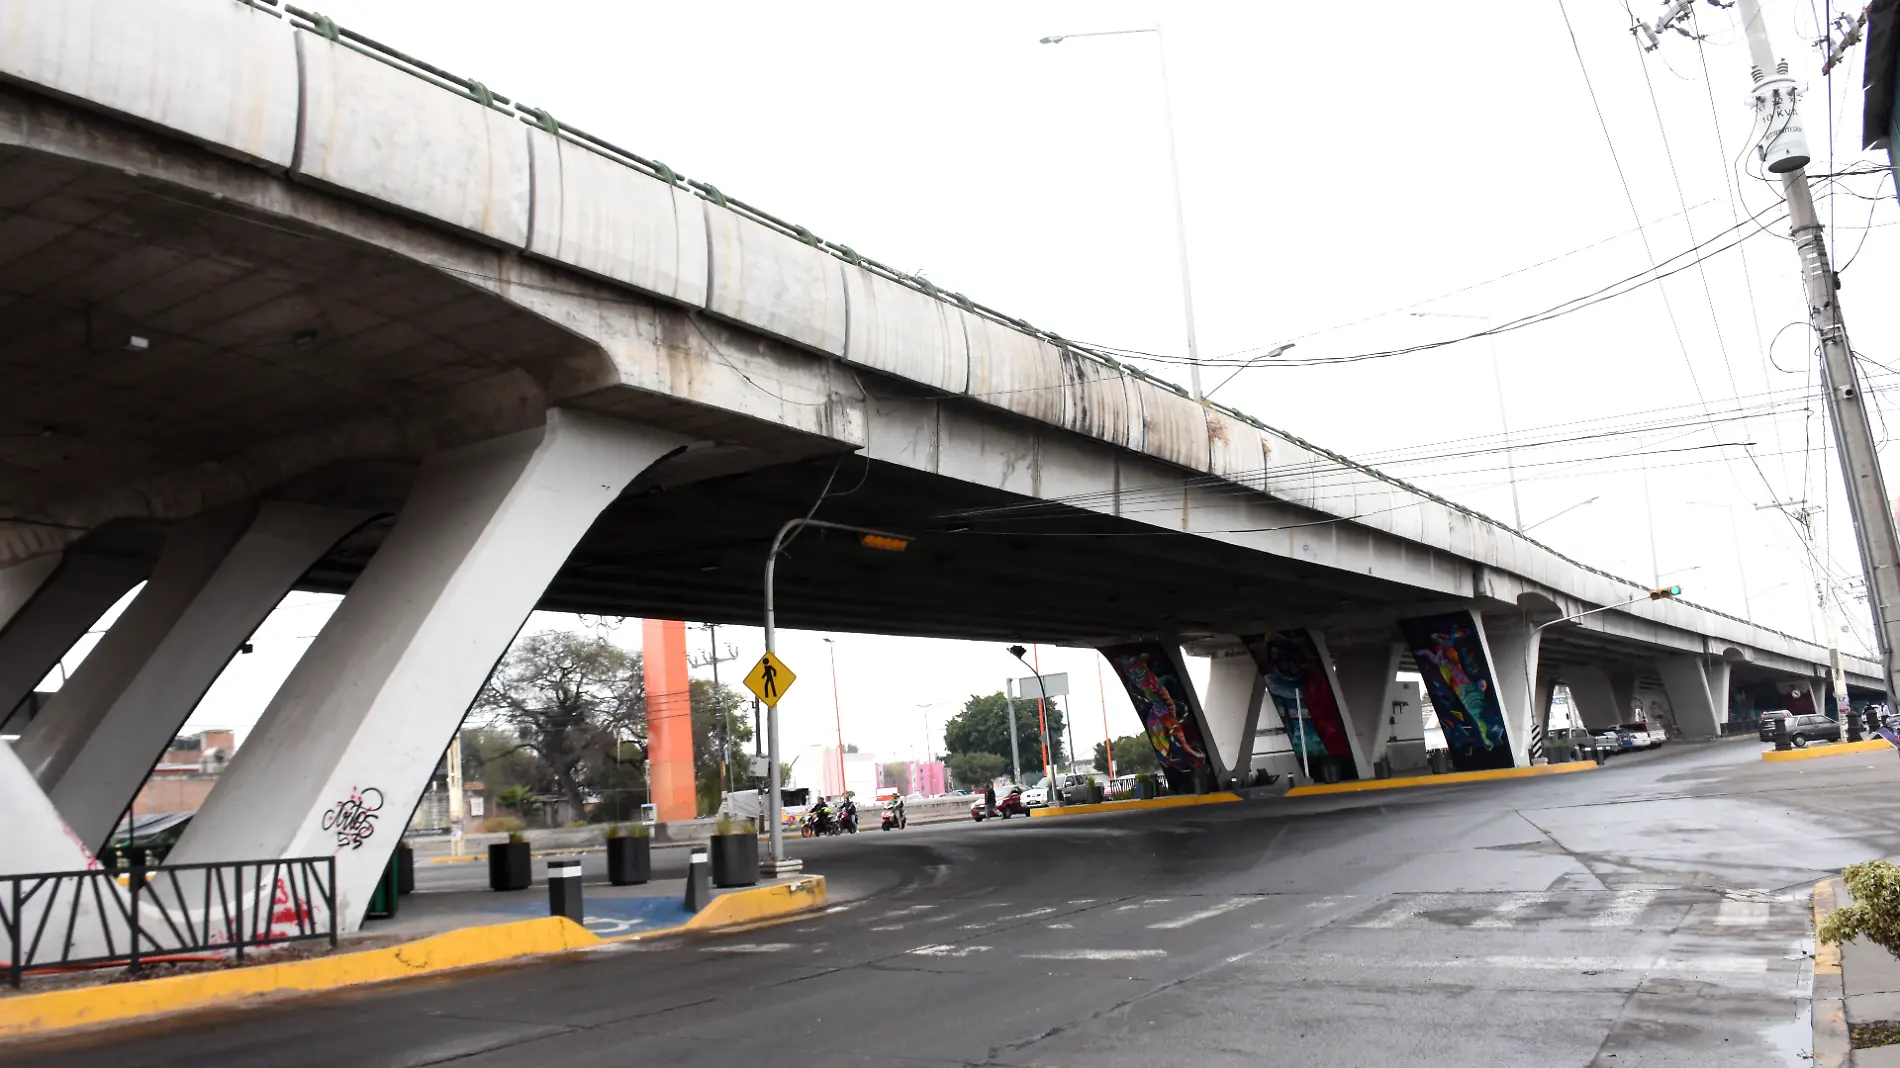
pixel 1504 418
pixel 778 863
pixel 1042 716
pixel 1174 171
pixel 837 715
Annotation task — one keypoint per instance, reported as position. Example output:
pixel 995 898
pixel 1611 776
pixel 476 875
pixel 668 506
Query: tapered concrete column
pixel 1540 704
pixel 1469 681
pixel 1231 708
pixel 37 838
pixel 342 753
pixel 56 599
pixel 217 579
pixel 1366 674
pixel 1699 713
pixel 1514 642
pixel 1592 695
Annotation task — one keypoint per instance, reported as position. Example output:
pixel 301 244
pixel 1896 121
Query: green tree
pixel 1133 756
pixel 983 727
pixel 897 776
pixel 567 697
pixel 976 770
pixel 713 707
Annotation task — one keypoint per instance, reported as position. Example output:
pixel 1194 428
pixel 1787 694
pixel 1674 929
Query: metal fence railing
pixel 56 921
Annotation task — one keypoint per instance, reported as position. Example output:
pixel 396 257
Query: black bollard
pixel 564 889
pixel 1853 727
pixel 1782 744
pixel 698 881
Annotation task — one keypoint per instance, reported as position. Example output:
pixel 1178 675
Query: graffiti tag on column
pixel 354 819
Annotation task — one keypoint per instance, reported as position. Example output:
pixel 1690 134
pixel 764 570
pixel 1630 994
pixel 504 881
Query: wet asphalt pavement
pixel 1646 914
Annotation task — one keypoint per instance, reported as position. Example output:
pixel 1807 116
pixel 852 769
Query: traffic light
pixel 1665 593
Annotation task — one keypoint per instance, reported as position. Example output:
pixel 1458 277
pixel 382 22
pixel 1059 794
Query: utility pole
pixel 1015 748
pixel 1783 150
pixel 455 793
pixel 725 721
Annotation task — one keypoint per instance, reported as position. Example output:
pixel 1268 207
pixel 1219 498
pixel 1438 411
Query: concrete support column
pixel 1231 710
pixel 55 600
pixel 1593 695
pixel 37 838
pixel 1699 711
pixel 1541 699
pixel 1366 674
pixel 342 753
pixel 1513 642
pixel 217 579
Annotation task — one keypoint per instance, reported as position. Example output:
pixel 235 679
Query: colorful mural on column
pixel 1302 691
pixel 1154 684
pixel 1450 655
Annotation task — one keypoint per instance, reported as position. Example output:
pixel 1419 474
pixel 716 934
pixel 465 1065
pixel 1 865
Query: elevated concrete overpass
pixel 282 308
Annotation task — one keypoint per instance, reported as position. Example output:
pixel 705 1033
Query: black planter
pixel 629 860
pixel 509 866
pixel 735 859
pixel 405 869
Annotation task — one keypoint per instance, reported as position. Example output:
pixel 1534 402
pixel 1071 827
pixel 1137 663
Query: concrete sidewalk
pixel 1869 990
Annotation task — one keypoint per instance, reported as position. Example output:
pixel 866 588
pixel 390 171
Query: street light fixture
pixel 1174 170
pixel 837 716
pixel 1664 593
pixel 777 863
pixel 1042 715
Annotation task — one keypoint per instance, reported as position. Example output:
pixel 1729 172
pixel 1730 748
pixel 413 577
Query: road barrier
pixel 65 920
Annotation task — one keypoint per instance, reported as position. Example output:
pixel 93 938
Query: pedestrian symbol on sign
pixel 769 679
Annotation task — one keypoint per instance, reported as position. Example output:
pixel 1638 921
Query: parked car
pixel 1768 721
pixel 1609 741
pixel 1805 729
pixel 1570 743
pixel 1036 796
pixel 152 834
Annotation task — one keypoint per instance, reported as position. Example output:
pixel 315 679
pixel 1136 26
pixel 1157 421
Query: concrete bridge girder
pixel 521 234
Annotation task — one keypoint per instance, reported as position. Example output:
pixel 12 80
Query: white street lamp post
pixel 1174 171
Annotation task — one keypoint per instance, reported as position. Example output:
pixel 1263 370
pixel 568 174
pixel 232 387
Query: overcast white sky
pixel 1341 166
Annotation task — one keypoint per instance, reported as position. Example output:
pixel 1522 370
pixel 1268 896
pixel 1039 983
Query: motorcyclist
pixel 847 812
pixel 820 816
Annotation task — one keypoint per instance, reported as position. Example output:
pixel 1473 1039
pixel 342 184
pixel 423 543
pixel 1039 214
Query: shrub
pixel 497 824
pixel 516 836
pixel 627 830
pixel 1875 912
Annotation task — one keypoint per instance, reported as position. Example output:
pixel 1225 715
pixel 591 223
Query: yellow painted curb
pixel 1448 779
pixel 760 903
pixel 1877 745
pixel 1174 801
pixel 60 1009
pixel 1833 1042
pixel 33 1014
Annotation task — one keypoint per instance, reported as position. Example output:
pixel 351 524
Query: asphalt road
pixel 1645 914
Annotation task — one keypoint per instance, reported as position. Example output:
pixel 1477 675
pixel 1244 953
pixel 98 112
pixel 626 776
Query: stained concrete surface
pixel 1649 914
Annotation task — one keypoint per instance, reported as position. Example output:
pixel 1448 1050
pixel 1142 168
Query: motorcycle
pixel 1010 804
pixel 847 820
pixel 818 825
pixel 894 817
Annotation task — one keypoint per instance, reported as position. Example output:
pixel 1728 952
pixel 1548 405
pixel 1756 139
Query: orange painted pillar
pixel 669 719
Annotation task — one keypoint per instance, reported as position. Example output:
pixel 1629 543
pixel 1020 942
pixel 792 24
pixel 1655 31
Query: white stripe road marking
pixel 1208 913
pixel 947 950
pixel 1143 904
pixel 1398 912
pixel 1031 914
pixel 1625 906
pixel 1097 954
pixel 750 947
pixel 1741 914
pixel 1062 927
pixel 1504 915
pixel 895 913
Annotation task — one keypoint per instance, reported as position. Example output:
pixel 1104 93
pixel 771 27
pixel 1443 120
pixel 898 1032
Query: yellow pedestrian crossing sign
pixel 769 679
